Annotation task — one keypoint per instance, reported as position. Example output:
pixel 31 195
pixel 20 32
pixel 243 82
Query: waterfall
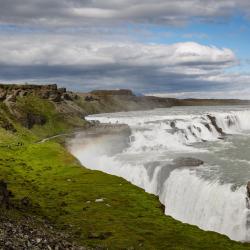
pixel 209 205
pixel 147 162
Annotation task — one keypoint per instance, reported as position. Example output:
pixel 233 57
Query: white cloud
pixel 79 13
pixel 65 50
pixel 143 67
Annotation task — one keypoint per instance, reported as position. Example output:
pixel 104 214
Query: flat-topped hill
pixel 113 92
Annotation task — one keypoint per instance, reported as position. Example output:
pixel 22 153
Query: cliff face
pixel 10 93
pixel 124 92
pixel 101 101
pixel 30 105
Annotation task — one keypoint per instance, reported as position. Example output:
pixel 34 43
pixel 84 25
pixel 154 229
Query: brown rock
pixel 248 189
pixel 67 97
pixel 5 194
pixel 3 95
pixel 55 97
pixel 25 202
pixel 213 121
pixel 187 162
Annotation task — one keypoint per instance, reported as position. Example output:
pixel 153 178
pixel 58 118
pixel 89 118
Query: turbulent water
pixel 212 196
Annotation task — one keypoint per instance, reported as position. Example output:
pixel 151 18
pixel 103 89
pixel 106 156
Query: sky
pixel 181 48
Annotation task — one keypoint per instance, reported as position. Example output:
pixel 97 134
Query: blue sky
pixel 188 48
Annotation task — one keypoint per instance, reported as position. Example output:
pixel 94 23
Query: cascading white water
pixel 209 205
pixel 193 195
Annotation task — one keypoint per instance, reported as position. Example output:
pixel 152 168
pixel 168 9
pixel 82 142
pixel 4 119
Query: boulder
pixel 187 162
pixel 55 97
pixel 5 194
pixel 248 189
pixel 3 95
pixel 67 97
pixel 89 98
pixel 25 202
pixel 44 94
pixel 62 90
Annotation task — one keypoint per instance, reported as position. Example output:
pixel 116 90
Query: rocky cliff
pixel 30 105
pixel 9 93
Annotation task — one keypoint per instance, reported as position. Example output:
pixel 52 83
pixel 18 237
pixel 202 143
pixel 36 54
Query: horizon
pixel 180 49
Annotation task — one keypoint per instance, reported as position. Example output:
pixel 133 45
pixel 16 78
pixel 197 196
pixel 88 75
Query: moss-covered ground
pixel 65 193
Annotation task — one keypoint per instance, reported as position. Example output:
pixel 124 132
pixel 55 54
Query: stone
pixel 89 98
pixel 3 95
pixel 248 189
pixel 25 202
pixel 67 97
pixel 213 121
pixel 5 194
pixel 100 236
pixel 62 90
pixel 187 162
pixel 99 200
pixel 55 97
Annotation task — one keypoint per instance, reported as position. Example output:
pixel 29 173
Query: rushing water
pixel 212 196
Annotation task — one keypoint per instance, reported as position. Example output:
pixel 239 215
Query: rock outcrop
pixel 9 93
pixel 213 121
pixel 113 92
pixel 6 124
pixel 5 194
pixel 248 189
pixel 187 162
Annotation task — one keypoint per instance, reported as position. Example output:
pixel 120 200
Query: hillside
pixel 63 204
pixel 100 101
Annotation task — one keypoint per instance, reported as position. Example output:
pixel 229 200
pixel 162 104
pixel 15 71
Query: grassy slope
pixel 60 188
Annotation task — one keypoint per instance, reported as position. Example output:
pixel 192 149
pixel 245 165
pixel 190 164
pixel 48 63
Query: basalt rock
pixel 3 94
pixel 5 194
pixel 10 92
pixel 187 162
pixel 25 202
pixel 213 121
pixel 5 124
pixel 248 189
pixel 67 97
pixel 126 92
pixel 55 97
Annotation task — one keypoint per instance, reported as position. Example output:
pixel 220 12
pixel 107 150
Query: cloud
pixel 85 65
pixel 69 51
pixel 83 12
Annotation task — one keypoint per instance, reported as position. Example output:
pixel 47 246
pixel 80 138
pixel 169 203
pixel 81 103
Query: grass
pixel 64 192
